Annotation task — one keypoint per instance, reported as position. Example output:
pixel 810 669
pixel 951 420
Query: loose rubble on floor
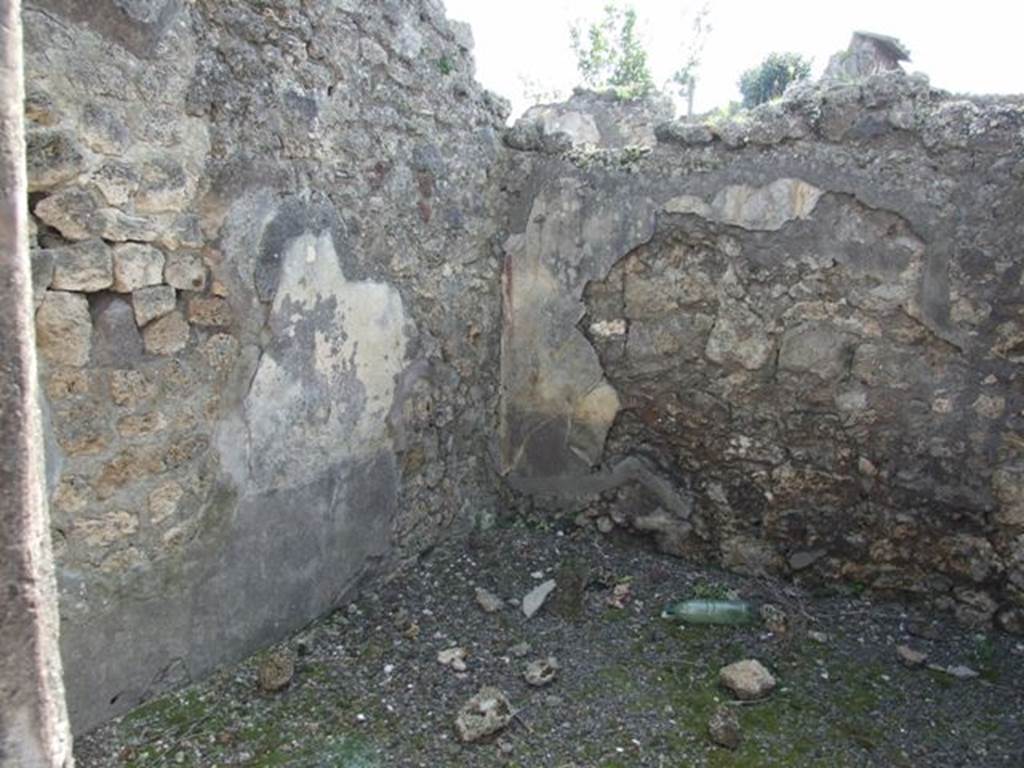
pixel 428 673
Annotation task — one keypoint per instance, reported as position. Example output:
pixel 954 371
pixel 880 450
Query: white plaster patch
pixel 765 208
pixel 323 396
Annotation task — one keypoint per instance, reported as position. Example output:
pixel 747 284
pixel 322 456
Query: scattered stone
pixel 724 728
pixel 519 650
pixel 910 658
pixel 487 712
pixel 961 672
pixel 818 637
pixel 924 630
pixel 85 266
pixel 621 594
pixel 276 671
pixel 774 618
pixel 800 561
pixel 535 598
pixel 64 329
pixel 605 524
pixel 488 601
pixel 541 672
pixel 1012 620
pixel 747 679
pixel 505 747
pixel 454 658
pixel 137 266
pixel 153 302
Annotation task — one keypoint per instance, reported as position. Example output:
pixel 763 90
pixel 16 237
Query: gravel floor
pixel 632 689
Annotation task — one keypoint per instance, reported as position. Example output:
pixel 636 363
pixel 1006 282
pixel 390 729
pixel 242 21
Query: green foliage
pixel 609 53
pixel 445 65
pixel 769 79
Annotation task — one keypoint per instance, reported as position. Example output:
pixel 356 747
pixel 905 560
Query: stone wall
pixel 791 342
pixel 284 264
pixel 268 314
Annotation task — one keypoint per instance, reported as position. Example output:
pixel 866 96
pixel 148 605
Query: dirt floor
pixel 632 688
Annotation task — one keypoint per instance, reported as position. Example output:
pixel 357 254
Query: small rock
pixel 961 672
pixel 621 594
pixel 924 630
pixel 488 601
pixel 724 728
pixel 276 671
pixel 605 524
pixel 535 598
pixel 541 672
pixel 800 561
pixel 910 658
pixel 747 679
pixel 818 637
pixel 774 618
pixel 505 747
pixel 454 658
pixel 487 712
pixel 519 650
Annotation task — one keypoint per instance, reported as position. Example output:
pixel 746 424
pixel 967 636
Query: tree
pixel 609 53
pixel 770 78
pixel 693 49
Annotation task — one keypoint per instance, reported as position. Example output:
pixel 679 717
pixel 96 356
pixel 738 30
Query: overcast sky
pixel 962 46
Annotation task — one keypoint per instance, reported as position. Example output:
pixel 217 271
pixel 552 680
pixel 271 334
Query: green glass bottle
pixel 711 612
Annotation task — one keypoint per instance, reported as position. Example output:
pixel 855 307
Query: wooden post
pixel 33 716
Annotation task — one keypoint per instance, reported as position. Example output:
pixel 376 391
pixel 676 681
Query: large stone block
pixel 64 329
pixel 85 266
pixel 53 158
pixel 137 266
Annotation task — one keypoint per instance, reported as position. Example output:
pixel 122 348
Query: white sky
pixel 962 46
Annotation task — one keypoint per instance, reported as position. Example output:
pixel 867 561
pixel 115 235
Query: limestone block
pixel 164 186
pixel 117 181
pixel 209 311
pixel 64 329
pixel 107 530
pixel 72 212
pixel 152 303
pixel 85 266
pixel 1008 488
pixel 163 501
pixel 167 335
pixel 738 338
pixel 814 348
pixel 185 271
pixel 127 467
pixel 141 425
pixel 129 387
pixel 42 273
pixel 53 157
pixel 137 266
